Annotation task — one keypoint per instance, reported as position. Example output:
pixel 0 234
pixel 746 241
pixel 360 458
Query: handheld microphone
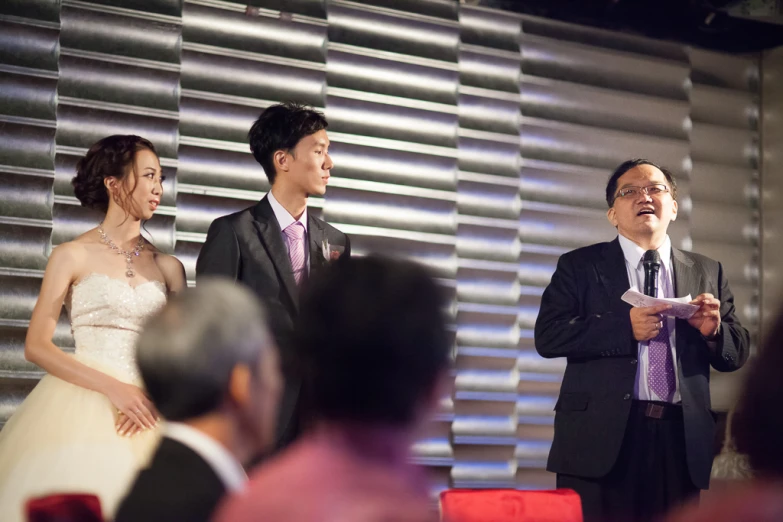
pixel 652 265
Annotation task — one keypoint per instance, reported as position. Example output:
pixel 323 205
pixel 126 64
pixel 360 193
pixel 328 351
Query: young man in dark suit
pixel 211 369
pixel 633 427
pixel 273 246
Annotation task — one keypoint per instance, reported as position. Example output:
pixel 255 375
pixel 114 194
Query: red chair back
pixel 510 505
pixel 66 507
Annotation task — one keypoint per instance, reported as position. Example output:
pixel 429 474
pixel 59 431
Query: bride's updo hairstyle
pixel 112 156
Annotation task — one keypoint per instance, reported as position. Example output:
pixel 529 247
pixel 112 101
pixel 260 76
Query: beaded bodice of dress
pixel 107 315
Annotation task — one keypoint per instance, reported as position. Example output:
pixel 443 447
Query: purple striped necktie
pixel 295 233
pixel 660 374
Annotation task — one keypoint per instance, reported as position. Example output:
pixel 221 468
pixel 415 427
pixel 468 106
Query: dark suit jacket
pixel 247 246
pixel 583 318
pixel 178 485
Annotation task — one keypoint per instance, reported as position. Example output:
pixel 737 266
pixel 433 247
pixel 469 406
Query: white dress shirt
pixel 284 219
pixel 633 254
pixel 222 462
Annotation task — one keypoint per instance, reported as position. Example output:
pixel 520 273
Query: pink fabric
pixel 510 505
pixel 295 232
pixel 336 474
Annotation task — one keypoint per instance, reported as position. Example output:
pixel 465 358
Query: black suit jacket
pixel 247 246
pixel 583 319
pixel 178 485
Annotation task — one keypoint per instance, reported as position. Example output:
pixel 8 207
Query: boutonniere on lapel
pixel 330 252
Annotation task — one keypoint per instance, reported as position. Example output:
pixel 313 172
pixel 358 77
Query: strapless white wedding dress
pixel 62 437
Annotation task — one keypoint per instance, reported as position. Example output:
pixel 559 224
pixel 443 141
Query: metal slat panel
pixel 310 8
pixel 489 28
pixel 382 73
pixel 80 127
pixel 251 78
pixel 30 46
pixel 38 10
pixel 560 60
pixel 25 196
pixel 719 183
pixel 487 113
pixel 391 30
pixel 29 51
pixel 724 145
pixel 573 185
pixel 25 247
pixel 575 103
pixel 28 96
pixel 398 167
pixel 160 7
pixel 129 34
pixel 594 147
pixel 260 34
pixel 489 69
pixel 726 107
pixel 364 118
pixel 26 146
pixel 488 246
pixel 603 38
pixel 102 81
pixel 220 168
pixel 740 73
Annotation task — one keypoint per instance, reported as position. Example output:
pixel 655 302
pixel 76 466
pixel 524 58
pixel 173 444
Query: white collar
pixel 284 218
pixel 633 253
pixel 222 462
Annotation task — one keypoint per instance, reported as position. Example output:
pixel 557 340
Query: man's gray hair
pixel 187 351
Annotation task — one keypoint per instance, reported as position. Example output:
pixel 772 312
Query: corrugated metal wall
pixel 475 141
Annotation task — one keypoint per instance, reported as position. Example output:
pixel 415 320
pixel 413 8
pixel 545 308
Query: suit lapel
pixel 316 233
pixel 271 237
pixel 687 281
pixel 612 272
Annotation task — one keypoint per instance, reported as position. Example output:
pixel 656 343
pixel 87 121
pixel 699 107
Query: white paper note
pixel 680 306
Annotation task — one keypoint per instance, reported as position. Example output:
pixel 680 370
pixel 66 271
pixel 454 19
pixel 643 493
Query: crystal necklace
pixel 129 254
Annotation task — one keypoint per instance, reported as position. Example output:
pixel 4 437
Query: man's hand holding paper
pixel 680 307
pixel 706 319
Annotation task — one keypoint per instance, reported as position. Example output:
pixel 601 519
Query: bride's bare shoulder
pixel 77 250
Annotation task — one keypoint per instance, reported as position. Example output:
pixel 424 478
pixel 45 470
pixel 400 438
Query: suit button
pixel 626 396
pixel 634 361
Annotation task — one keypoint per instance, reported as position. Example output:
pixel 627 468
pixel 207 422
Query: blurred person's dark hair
pixel 373 341
pixel 281 127
pixel 757 424
pixel 611 185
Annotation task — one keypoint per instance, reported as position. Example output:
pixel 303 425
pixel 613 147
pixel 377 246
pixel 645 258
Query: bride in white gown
pixel 87 427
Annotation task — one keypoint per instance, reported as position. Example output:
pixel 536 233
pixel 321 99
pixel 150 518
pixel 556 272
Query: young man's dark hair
pixel 373 341
pixel 611 185
pixel 280 127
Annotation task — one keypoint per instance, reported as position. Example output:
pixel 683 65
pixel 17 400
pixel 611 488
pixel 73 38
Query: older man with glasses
pixel 633 427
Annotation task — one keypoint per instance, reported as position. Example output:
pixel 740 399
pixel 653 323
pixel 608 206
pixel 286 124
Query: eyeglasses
pixel 656 189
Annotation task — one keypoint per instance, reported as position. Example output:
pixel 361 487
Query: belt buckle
pixel 654 410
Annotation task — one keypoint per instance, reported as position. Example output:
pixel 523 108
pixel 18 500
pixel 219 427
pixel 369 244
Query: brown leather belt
pixel 659 410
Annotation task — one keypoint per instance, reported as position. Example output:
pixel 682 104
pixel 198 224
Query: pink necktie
pixel 295 233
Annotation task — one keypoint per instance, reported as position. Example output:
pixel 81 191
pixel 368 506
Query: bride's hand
pixel 131 402
pixel 126 427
